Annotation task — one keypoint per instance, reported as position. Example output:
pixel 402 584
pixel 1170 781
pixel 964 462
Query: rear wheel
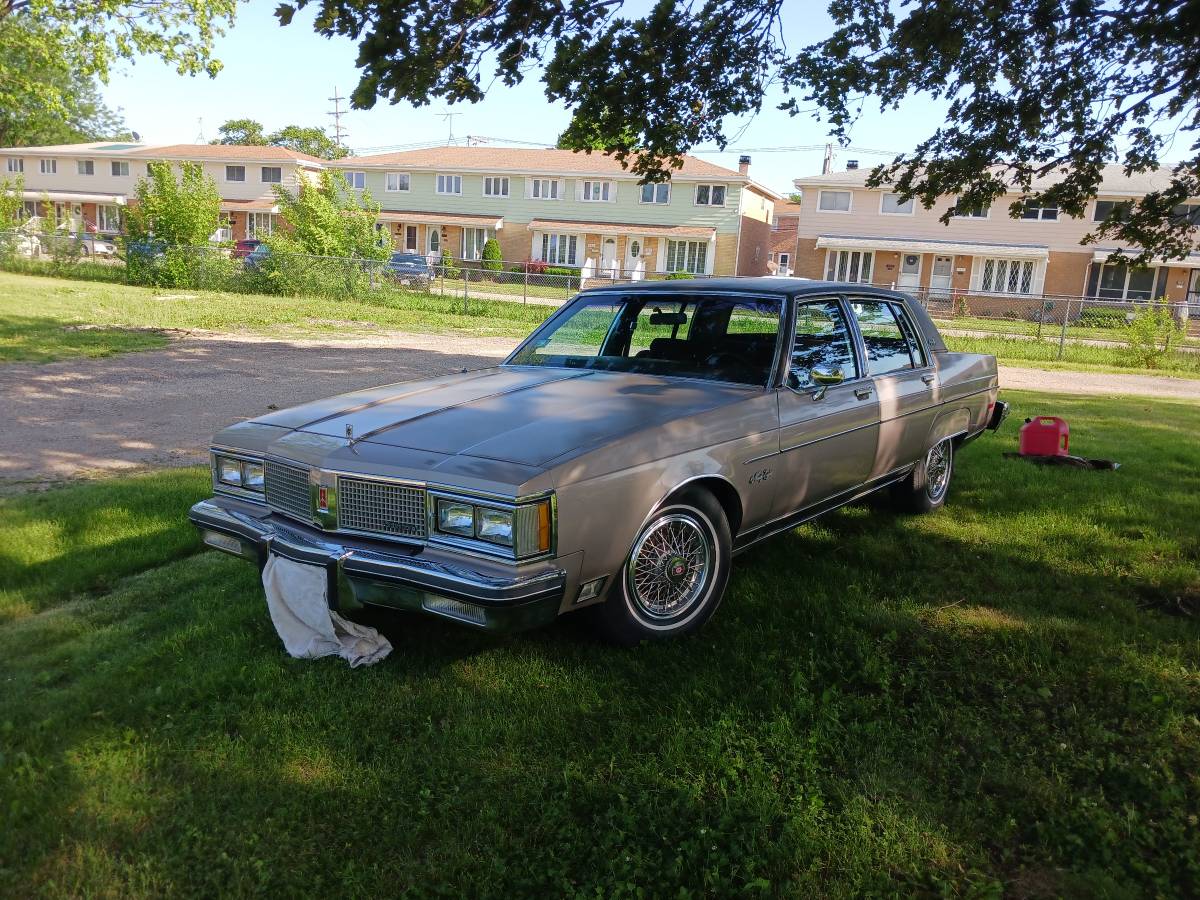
pixel 926 488
pixel 674 576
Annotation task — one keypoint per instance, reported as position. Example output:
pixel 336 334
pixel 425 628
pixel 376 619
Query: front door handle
pixel 929 379
pixel 862 393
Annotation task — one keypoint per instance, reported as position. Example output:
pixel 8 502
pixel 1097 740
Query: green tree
pixel 327 219
pixel 312 141
pixel 179 211
pixel 12 198
pixel 1032 87
pixel 48 48
pixel 241 131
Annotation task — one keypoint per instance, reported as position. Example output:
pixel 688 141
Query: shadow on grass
pixel 41 340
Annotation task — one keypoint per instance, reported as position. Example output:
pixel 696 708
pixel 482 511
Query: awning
pixel 925 245
pixel 1191 261
pixel 621 228
pixel 75 197
pixel 432 218
pixel 267 206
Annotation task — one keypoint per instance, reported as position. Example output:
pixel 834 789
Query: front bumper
pixel 365 573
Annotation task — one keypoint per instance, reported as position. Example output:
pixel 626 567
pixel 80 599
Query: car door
pixel 905 382
pixel 828 427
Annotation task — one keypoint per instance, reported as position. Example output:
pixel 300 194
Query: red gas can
pixel 1045 436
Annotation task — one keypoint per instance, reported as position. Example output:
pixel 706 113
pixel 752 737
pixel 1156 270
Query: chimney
pixel 743 165
pixel 851 164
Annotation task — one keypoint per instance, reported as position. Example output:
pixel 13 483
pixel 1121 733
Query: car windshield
pixel 693 336
pixel 409 259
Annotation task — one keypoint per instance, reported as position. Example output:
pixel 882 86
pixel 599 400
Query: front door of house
pixel 635 266
pixel 608 257
pixel 939 276
pixel 1194 287
pixel 910 270
pixel 785 264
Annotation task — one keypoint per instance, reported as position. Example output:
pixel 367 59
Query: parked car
pixel 98 245
pixel 21 244
pixel 408 269
pixel 256 257
pixel 616 461
pixel 145 250
pixel 242 249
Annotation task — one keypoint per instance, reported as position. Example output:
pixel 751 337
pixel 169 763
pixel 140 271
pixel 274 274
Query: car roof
pixel 766 284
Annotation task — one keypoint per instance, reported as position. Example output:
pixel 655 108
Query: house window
pixel 449 184
pixel 1189 212
pixel 892 205
pixel 49 166
pixel 62 212
pixel 396 182
pixel 543 188
pixel 849 265
pixel 473 241
pixel 710 195
pixel 1033 210
pixel 85 166
pixel 656 193
pixel 121 169
pixel 597 191
pixel 410 238
pixel 235 173
pixel 108 218
pixel 687 256
pixel 962 211
pixel 559 249
pixel 495 186
pixel 1118 209
pixel 356 180
pixel 272 175
pixel 1121 282
pixel 29 209
pixel 259 225
pixel 15 164
pixel 834 201
pixel 1007 276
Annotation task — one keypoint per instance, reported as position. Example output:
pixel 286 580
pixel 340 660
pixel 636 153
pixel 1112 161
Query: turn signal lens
pixel 544 526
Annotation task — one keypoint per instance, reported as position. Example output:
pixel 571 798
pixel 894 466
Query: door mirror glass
pixel 827 377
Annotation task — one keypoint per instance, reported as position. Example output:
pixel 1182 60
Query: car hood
pixel 532 417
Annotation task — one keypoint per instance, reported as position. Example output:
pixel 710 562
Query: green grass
pixel 994 699
pixel 1044 354
pixel 39 317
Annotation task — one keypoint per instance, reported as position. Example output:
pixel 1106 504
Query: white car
pixel 23 244
pixel 98 245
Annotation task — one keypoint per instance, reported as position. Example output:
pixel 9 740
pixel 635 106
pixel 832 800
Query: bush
pixel 1152 335
pixel 449 269
pixel 676 276
pixel 532 266
pixel 563 271
pixel 1102 317
pixel 492 260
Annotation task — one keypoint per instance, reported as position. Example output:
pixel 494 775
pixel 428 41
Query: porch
pixel 623 251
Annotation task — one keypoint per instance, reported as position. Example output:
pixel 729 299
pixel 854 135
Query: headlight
pixel 456 518
pixel 245 474
pixel 496 525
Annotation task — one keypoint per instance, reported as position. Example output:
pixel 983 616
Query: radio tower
pixel 339 133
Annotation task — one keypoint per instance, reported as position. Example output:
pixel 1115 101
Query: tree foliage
pixel 312 141
pixel 176 211
pixel 12 198
pixel 50 48
pixel 326 218
pixel 1034 88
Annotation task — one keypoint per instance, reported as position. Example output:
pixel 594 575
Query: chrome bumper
pixel 363 575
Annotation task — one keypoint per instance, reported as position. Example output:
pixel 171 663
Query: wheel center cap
pixel 676 568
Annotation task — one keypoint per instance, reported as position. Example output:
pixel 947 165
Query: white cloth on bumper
pixel 298 602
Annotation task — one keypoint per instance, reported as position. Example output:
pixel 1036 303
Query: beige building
pixel 848 232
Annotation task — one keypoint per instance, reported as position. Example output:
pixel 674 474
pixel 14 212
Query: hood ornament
pixel 350 435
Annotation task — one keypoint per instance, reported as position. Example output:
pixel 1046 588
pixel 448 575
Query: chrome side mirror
pixel 824 378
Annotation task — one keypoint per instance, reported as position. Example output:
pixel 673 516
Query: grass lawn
pixel 1079 357
pixel 994 699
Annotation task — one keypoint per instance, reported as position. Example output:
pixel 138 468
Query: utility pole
pixel 200 134
pixel 827 163
pixel 449 117
pixel 339 133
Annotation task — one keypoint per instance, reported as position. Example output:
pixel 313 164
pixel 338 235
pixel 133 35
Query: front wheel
pixel 675 575
pixel 926 488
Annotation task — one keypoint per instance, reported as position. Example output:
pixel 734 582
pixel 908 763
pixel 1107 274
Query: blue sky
pixel 282 76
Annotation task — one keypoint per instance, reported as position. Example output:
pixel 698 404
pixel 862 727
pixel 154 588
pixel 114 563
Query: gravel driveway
pixel 160 408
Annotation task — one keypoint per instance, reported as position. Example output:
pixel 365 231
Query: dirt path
pixel 160 408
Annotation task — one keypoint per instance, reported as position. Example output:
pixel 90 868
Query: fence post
pixel 1062 336
pixel 525 292
pixel 466 273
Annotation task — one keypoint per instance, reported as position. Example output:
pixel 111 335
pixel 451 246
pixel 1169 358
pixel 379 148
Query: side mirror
pixel 826 377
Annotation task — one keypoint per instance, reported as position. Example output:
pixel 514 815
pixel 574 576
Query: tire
pixel 660 594
pixel 925 490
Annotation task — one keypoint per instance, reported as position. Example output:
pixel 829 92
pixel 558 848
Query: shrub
pixel 449 269
pixel 675 276
pixel 564 271
pixel 492 260
pixel 1151 334
pixel 1102 317
pixel 532 266
pixel 961 309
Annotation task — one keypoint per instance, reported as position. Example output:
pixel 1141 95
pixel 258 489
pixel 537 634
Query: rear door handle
pixel 929 379
pixel 862 393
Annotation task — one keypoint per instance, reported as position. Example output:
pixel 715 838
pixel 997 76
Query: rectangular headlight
pixel 454 517
pixel 252 476
pixel 229 471
pixel 244 474
pixel 525 529
pixel 495 525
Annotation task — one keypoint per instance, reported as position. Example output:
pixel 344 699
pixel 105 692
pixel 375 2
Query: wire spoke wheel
pixel 937 470
pixel 670 566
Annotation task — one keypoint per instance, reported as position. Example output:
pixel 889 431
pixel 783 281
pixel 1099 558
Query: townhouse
pixel 87 186
pixel 785 240
pixel 848 232
pixel 570 209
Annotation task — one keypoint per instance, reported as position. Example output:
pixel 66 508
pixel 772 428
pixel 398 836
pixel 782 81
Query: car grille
pixel 287 489
pixel 381 507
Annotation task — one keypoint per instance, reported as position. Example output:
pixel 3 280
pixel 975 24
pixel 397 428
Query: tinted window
pixel 823 342
pixel 885 342
pixel 717 338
